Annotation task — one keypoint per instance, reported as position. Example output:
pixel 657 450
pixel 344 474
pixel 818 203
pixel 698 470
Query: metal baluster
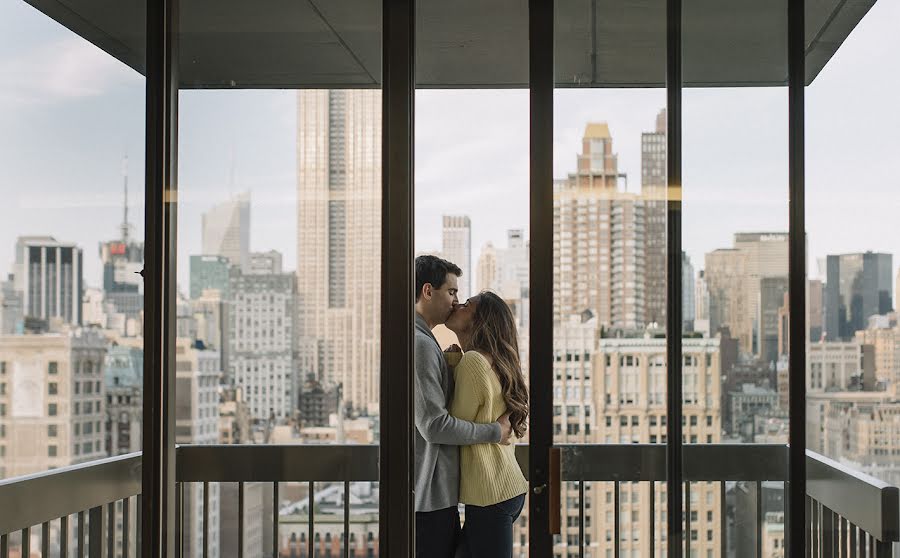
pixel 275 519
pixel 63 537
pixel 843 536
pixel 45 539
pixel 809 527
pixel 126 527
pixel 581 519
pixel 863 547
pixel 687 518
pixel 111 530
pixel 179 518
pixel 854 546
pixel 26 542
pixel 205 519
pixel 81 526
pixel 817 530
pixel 827 533
pixel 312 506
pixel 882 549
pixel 723 520
pixel 138 525
pixel 96 540
pixel 652 519
pixel 346 519
pixel 759 519
pixel 616 519
pixel 240 520
pixel 4 546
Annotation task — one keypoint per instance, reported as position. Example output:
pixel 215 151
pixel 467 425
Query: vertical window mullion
pixel 674 310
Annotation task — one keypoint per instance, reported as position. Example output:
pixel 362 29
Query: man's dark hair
pixel 434 270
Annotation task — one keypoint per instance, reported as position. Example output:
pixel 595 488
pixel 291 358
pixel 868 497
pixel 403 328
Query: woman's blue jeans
pixel 488 532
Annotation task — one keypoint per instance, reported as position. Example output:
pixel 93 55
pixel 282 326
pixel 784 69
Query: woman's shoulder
pixel 475 361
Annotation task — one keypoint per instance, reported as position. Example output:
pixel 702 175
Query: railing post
pixel 96 537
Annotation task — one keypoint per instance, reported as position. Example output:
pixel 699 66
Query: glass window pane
pixel 279 255
pixel 609 260
pixel 735 259
pixel 472 209
pixel 71 227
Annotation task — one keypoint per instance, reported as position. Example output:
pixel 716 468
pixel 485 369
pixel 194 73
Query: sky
pixel 69 113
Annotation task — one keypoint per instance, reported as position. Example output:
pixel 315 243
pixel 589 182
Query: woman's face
pixel 463 317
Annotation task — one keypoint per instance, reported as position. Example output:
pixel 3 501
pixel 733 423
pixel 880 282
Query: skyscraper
pixel 772 293
pixel 226 230
pixel 653 189
pixel 260 344
pixel 487 268
pixel 688 306
pixel 457 247
pixel 339 239
pixel 857 286
pixel 598 228
pixel 734 277
pixel 49 275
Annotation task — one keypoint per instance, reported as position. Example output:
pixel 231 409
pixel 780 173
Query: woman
pixel 489 384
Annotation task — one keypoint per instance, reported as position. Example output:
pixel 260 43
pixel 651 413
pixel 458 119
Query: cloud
pixel 69 68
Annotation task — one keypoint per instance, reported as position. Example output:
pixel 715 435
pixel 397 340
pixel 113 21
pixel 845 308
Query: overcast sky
pixel 69 113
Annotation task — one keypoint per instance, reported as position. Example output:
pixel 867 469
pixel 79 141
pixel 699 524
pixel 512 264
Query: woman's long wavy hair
pixel 494 333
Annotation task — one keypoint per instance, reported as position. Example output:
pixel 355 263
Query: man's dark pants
pixel 437 533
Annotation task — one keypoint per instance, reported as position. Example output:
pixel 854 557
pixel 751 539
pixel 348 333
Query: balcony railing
pixel 848 513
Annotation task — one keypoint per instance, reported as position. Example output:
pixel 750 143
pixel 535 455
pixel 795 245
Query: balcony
pixel 85 510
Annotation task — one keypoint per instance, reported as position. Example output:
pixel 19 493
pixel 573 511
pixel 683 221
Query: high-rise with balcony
pixel 456 234
pixel 52 400
pixel 49 274
pixel 857 286
pixel 598 239
pixel 226 230
pixel 339 239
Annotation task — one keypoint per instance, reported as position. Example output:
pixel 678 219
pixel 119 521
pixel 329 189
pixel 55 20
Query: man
pixel 439 435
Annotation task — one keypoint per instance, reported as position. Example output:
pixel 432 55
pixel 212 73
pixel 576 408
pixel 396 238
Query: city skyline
pixel 43 116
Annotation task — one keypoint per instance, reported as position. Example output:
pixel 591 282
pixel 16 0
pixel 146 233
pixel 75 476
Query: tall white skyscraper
pixel 339 240
pixel 226 230
pixel 457 248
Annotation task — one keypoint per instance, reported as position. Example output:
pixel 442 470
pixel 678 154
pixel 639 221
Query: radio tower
pixel 125 225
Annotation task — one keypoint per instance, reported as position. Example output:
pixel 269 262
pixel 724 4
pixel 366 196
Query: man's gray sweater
pixel 439 435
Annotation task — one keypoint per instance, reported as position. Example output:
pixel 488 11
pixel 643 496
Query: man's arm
pixel 433 421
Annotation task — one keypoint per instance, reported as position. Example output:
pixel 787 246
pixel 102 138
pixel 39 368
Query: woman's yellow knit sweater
pixel 488 473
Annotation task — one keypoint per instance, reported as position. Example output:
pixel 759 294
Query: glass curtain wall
pixel 71 244
pixel 735 273
pixel 279 265
pixel 609 272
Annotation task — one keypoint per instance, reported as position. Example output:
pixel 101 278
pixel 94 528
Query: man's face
pixel 444 300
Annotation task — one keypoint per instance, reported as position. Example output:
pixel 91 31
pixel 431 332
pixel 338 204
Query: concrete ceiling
pixel 466 43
